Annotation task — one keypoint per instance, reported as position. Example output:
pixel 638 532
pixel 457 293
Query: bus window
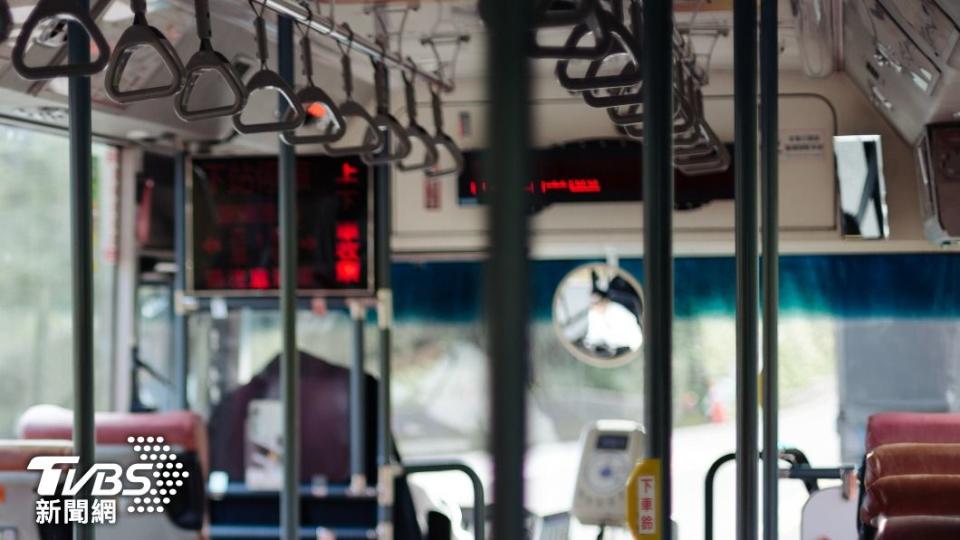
pixel 36 349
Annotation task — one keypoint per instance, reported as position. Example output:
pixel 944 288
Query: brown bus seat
pixel 920 528
pixel 911 495
pixel 911 459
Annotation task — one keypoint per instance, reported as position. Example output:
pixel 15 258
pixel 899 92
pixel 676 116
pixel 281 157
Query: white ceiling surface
pixel 233 35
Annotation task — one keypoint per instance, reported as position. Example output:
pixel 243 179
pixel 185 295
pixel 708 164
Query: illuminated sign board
pixel 233 227
pixel 593 171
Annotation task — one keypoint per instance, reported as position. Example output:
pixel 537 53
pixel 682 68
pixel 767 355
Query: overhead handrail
pixel 372 140
pixel 396 143
pixel 344 36
pixel 267 79
pixel 585 17
pixel 442 141
pixel 141 34
pixel 205 60
pixel 67 9
pixel 312 95
pixel 415 131
pixel 6 20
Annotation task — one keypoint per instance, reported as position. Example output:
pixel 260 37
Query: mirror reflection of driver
pixel 613 321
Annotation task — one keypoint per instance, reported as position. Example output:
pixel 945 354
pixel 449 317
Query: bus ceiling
pixel 879 47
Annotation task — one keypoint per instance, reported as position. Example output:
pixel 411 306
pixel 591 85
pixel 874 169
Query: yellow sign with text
pixel 643 501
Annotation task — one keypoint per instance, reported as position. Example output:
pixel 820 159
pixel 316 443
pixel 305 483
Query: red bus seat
pixel 898 427
pixel 911 459
pixel 920 528
pixel 179 428
pixel 911 495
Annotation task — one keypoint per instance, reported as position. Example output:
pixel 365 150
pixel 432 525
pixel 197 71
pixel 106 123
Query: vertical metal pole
pixel 769 133
pixel 180 320
pixel 290 367
pixel 81 229
pixel 748 284
pixel 385 458
pixel 658 192
pixel 506 282
pixel 358 401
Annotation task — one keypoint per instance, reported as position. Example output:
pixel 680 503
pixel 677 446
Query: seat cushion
pixel 892 428
pixel 911 459
pixel 911 495
pixel 920 528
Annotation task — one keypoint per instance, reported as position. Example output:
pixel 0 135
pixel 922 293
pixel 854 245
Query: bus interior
pixel 492 269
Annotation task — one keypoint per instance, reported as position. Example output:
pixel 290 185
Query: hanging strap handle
pixel 410 95
pixel 306 58
pixel 204 27
pixel 267 79
pixel 414 130
pixel 69 9
pixel 443 141
pixel 141 34
pixel 311 96
pixel 398 145
pixel 205 60
pixel 139 9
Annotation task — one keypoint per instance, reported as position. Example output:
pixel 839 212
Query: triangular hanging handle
pixel 141 34
pixel 396 135
pixel 310 96
pixel 68 9
pixel 266 79
pixel 587 16
pixel 203 61
pixel 624 41
pixel 372 140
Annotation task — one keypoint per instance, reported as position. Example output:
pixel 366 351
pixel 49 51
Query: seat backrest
pixel 911 495
pixel 183 431
pixel 911 459
pixel 901 427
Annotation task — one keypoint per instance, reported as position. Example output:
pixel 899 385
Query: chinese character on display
pixel 646 504
pixel 48 512
pixel 348 253
pixel 646 523
pixel 348 174
pixel 76 510
pixel 647 485
pixel 103 511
